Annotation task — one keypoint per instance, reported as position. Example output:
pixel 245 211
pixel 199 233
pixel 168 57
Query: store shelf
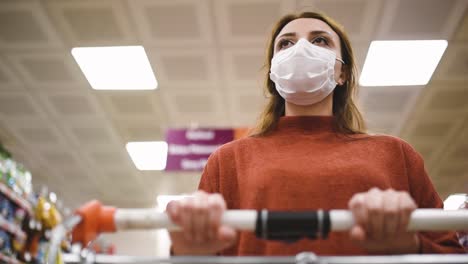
pixel 8 260
pixel 20 201
pixel 12 229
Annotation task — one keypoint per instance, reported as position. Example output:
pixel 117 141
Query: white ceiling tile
pixel 438 102
pixel 425 148
pixel 382 123
pixel 248 22
pixel 7 138
pixel 438 22
pixel 444 180
pixel 136 115
pixel 459 153
pixel 449 99
pixel 29 159
pixel 39 134
pixel 18 105
pixel 197 104
pixel 157 25
pixel 245 106
pixel 71 104
pixel 391 99
pixel 131 104
pixel 8 78
pixel 109 159
pixel 453 149
pixel 93 23
pixel 90 133
pixel 79 179
pixel 48 70
pixel 395 102
pixel 454 63
pixel 437 134
pixel 31 29
pixel 360 53
pixel 244 67
pixel 4 77
pixel 359 28
pixel 192 68
pixel 462 31
pixel 456 172
pixel 196 107
pixel 140 129
pixel 434 130
pixel 56 158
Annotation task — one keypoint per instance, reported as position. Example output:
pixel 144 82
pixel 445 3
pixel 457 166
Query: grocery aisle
pixel 124 102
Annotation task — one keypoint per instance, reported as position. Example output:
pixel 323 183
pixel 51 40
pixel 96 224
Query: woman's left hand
pixel 381 221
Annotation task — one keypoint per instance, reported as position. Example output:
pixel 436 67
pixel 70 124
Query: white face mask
pixel 304 74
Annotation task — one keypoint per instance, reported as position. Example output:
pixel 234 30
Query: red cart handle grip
pixel 96 219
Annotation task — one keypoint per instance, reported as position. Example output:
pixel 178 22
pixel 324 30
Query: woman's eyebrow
pixel 319 32
pixel 289 34
pixel 311 33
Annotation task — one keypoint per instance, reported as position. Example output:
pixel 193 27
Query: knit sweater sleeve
pixel 423 192
pixel 209 181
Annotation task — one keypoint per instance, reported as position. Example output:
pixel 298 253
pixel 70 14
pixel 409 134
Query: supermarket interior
pixel 106 99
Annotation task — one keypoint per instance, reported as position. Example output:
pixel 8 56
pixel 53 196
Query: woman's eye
pixel 320 41
pixel 284 44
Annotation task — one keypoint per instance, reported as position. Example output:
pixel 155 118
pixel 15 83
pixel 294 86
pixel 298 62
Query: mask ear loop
pixel 340 60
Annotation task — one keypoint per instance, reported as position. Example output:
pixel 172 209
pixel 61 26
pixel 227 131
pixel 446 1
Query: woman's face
pixel 317 32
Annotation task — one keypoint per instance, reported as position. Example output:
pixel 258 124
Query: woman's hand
pixel 381 221
pixel 200 219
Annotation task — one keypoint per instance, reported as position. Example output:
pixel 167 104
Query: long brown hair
pixel 348 118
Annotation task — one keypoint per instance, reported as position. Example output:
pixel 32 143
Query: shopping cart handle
pixel 271 225
pixel 93 218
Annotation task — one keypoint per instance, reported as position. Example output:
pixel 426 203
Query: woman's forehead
pixel 302 26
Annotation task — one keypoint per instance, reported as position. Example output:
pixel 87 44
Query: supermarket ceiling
pixel 207 56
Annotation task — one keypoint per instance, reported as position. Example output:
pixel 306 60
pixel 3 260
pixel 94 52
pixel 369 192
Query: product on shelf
pixel 25 219
pixel 5 243
pixel 6 208
pixel 15 176
pixel 9 168
pixel 47 213
pixel 19 216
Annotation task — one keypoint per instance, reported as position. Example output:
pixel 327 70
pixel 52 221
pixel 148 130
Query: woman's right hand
pixel 200 219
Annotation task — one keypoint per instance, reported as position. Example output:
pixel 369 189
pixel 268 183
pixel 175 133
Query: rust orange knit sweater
pixel 305 165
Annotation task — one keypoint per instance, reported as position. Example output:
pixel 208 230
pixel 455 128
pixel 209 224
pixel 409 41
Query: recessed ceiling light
pixel 150 155
pixel 116 67
pixel 406 62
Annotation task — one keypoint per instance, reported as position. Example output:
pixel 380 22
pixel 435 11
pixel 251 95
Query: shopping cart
pixel 93 218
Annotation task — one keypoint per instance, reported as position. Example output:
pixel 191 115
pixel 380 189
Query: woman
pixel 310 151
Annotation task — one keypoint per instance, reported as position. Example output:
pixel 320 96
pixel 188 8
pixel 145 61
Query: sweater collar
pixel 310 124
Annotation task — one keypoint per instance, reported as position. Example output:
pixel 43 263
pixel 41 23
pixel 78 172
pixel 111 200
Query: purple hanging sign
pixel 189 149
